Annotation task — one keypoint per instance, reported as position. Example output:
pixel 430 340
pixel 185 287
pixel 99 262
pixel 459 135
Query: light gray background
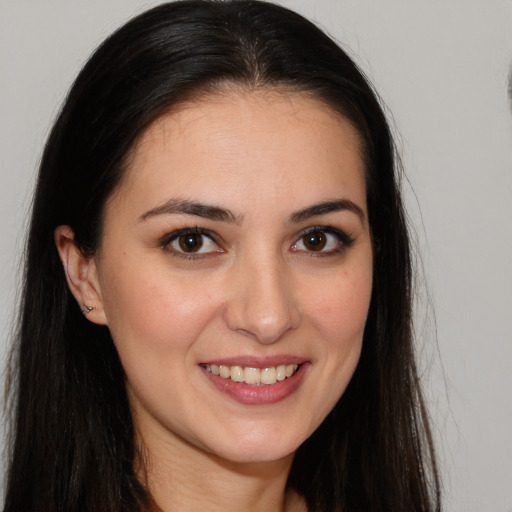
pixel 441 67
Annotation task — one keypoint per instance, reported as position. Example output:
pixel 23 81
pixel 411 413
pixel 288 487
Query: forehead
pixel 245 143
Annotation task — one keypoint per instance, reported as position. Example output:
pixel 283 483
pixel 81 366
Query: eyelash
pixel 344 242
pixel 168 239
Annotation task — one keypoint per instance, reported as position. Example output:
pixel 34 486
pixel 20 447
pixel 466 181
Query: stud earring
pixel 86 309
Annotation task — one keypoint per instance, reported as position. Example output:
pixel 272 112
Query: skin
pixel 255 288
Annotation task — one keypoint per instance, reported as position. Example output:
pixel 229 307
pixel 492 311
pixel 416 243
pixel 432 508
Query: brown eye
pixel 191 242
pixel 314 241
pixel 324 241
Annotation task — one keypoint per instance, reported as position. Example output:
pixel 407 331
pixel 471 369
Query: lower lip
pixel 263 394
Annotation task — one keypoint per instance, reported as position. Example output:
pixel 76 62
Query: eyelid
pixel 166 241
pixel 345 240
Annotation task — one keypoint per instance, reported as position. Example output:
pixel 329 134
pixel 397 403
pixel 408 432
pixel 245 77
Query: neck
pixel 216 487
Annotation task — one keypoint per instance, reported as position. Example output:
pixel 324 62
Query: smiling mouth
pixel 253 376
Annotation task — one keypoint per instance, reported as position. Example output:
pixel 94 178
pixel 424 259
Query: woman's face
pixel 238 243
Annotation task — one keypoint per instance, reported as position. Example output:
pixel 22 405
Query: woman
pixel 217 298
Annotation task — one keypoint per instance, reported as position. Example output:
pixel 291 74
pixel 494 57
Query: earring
pixel 86 309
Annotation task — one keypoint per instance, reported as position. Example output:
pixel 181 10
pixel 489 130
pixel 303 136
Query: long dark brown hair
pixel 72 446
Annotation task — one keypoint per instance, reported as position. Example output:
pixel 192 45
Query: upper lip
pixel 256 361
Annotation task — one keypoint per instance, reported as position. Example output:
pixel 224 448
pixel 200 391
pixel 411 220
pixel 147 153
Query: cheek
pixel 149 309
pixel 337 312
pixel 340 311
pixel 340 316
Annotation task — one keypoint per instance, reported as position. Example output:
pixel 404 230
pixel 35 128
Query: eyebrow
pixel 325 208
pixel 174 206
pixel 183 206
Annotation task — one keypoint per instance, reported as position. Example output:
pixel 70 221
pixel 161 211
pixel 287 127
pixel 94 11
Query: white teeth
pixel 269 375
pixel 254 376
pixel 290 368
pixel 237 373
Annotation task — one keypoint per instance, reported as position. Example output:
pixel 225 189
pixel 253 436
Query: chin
pixel 255 449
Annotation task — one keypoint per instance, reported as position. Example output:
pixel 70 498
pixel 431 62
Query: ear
pixel 81 275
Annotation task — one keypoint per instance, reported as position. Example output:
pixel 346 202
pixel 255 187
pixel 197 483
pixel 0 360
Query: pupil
pixel 315 241
pixel 190 242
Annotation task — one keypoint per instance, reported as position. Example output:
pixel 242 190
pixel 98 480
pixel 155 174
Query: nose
pixel 262 305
